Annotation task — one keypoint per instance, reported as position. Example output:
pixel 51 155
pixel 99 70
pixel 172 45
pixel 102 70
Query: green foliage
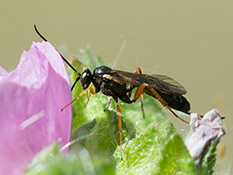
pixel 79 163
pixel 42 158
pixel 208 160
pixel 160 150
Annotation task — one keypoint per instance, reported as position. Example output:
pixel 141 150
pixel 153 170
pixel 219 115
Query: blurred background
pixel 191 42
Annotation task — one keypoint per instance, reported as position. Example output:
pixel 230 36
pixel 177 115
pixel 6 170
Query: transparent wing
pixel 161 83
pixel 165 83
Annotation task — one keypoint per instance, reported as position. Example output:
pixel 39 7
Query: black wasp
pixel 119 85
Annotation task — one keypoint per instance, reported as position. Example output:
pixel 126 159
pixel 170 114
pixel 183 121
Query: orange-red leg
pixel 139 71
pixel 120 127
pixel 91 90
pixel 80 95
pixel 161 100
pixel 139 92
pixel 109 102
pixel 88 97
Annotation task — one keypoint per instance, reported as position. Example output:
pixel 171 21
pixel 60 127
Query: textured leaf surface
pixel 159 150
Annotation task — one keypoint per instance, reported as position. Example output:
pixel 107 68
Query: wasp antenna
pixel 39 33
pixel 77 79
pixel 58 52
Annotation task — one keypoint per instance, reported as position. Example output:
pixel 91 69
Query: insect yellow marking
pixel 107 76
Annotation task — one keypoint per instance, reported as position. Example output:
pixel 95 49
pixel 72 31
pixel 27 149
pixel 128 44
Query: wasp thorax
pixel 86 78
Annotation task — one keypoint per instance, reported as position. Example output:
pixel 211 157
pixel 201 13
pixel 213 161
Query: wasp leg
pixel 91 90
pixel 137 71
pixel 131 87
pixel 161 100
pixel 80 95
pixel 109 102
pixel 120 126
pixel 88 97
pixel 139 92
pixel 142 108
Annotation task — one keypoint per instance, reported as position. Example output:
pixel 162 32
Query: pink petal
pixel 37 89
pixel 3 72
pixel 203 132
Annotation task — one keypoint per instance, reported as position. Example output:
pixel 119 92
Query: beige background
pixel 191 41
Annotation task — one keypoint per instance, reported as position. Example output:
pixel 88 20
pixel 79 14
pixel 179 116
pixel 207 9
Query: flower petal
pixel 203 132
pixel 31 100
pixel 3 72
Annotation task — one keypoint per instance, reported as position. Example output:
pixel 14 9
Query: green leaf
pixel 40 160
pixel 79 163
pixel 208 160
pixel 159 150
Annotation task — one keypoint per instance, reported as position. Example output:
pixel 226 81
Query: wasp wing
pixel 169 84
pixel 160 83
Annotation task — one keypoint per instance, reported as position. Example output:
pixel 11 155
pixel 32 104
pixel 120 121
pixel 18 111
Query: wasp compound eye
pixel 86 78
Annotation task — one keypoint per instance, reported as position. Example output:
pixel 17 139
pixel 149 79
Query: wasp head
pixel 86 78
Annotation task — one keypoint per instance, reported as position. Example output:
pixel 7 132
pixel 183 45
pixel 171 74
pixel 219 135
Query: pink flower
pixel 203 131
pixel 31 98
